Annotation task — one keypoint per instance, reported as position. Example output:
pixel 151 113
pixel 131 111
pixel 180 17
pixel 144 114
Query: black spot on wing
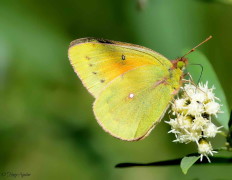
pixel 123 57
pixel 90 39
pixel 94 72
pixel 105 41
pixel 102 80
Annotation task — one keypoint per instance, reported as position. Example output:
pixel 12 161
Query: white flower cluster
pixel 193 112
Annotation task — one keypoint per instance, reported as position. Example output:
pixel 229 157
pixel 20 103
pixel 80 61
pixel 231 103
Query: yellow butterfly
pixel 133 85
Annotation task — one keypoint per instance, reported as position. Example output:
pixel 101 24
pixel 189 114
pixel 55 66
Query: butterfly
pixel 132 85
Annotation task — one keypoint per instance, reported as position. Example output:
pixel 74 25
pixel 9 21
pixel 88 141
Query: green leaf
pixel 209 75
pixel 187 162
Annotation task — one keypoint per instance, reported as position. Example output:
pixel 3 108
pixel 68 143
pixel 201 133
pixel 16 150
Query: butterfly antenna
pixel 202 69
pixel 193 49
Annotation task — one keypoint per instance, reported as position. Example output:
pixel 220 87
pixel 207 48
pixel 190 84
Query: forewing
pixel 130 106
pixel 97 61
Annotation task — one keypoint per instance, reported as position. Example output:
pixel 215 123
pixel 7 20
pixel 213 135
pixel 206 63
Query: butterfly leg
pixel 187 80
pixel 187 74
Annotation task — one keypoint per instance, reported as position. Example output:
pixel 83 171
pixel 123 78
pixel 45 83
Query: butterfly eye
pixel 180 64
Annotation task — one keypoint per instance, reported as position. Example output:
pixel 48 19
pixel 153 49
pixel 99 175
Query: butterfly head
pixel 180 63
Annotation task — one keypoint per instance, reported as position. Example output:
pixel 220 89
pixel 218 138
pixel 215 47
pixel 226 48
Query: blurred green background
pixel 47 127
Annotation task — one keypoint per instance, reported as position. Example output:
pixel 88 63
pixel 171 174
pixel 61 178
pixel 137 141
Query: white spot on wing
pixel 131 95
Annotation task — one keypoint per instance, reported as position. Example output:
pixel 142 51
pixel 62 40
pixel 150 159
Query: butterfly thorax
pixel 175 78
pixel 176 73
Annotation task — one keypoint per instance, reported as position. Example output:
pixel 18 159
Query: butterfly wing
pixel 98 61
pixel 130 106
